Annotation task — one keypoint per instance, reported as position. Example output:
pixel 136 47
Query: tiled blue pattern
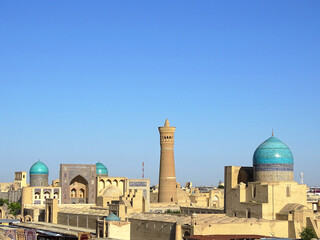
pixel 101 168
pixel 39 168
pixel 274 167
pixel 272 151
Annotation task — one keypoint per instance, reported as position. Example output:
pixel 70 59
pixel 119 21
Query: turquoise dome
pixel 101 169
pixel 112 217
pixel 39 168
pixel 272 151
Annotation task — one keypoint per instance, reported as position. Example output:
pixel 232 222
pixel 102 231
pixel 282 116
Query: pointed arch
pixel 79 189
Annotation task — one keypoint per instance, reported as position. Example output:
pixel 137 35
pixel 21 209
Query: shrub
pixel 307 233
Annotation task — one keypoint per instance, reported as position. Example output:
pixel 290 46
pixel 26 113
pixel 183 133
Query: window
pixel 46 195
pixel 288 192
pixel 248 213
pixel 56 195
pixel 37 195
pixel 73 193
pixel 81 193
pixel 254 191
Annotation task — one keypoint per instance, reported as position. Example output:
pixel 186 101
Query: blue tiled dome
pixel 112 217
pixel 272 151
pixel 39 168
pixel 101 169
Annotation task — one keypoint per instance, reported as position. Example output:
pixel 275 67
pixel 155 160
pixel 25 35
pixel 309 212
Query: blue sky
pixel 82 82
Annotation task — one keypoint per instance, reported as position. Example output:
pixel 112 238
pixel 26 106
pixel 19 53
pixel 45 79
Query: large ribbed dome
pixel 101 169
pixel 39 168
pixel 112 192
pixel 273 161
pixel 272 151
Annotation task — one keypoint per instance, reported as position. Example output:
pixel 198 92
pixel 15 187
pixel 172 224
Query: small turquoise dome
pixel 101 169
pixel 112 217
pixel 39 168
pixel 272 151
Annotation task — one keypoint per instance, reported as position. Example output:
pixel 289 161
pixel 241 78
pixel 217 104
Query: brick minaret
pixel 167 175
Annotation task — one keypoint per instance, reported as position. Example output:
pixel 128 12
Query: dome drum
pixel 39 180
pixel 273 176
pixel 273 167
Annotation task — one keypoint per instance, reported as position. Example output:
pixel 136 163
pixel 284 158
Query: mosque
pixel 262 199
pixel 259 200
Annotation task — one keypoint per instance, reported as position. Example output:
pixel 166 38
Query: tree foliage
pixel 307 233
pixel 3 201
pixel 14 208
pixel 221 186
pixel 173 211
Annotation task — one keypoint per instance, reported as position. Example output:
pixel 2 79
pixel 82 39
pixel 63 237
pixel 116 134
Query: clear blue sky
pixel 89 81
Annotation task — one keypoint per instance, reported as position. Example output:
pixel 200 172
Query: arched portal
pixel 79 190
pixel 186 233
pixel 115 183
pixel 121 186
pixel 108 182
pixel 101 185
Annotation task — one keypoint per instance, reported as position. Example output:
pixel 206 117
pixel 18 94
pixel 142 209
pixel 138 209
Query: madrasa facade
pixel 81 186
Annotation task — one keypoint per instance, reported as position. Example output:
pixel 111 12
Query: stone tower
pixel 167 175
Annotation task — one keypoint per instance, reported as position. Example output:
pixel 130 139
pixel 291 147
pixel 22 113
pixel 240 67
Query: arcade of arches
pixel 105 182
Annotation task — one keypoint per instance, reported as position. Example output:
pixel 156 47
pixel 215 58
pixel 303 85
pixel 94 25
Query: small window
pixel 288 192
pixel 248 213
pixel 254 191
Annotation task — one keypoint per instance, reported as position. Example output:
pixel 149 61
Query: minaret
pixel 167 175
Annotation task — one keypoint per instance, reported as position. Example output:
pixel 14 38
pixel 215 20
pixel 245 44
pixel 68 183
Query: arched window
pixel 73 193
pixel 101 184
pixel 56 195
pixel 81 193
pixel 46 195
pixel 37 195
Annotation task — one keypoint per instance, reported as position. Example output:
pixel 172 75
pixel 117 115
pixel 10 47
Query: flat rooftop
pixel 200 218
pixel 56 228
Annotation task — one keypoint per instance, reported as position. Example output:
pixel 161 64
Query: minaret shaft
pixel 167 175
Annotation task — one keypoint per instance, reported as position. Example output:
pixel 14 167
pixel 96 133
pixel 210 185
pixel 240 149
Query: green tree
pixel 14 208
pixel 307 233
pixel 173 211
pixel 3 201
pixel 221 186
